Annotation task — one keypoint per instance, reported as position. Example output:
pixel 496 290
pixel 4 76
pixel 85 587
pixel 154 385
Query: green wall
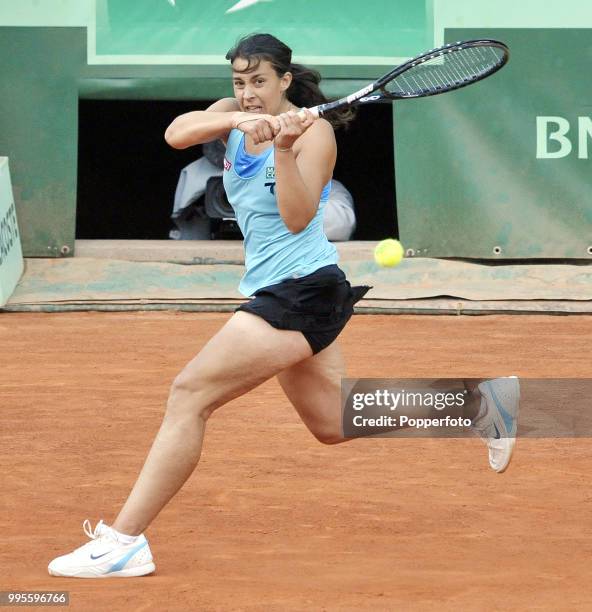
pixel 496 179
pixel 356 33
pixel 46 13
pixel 489 184
pixel 38 128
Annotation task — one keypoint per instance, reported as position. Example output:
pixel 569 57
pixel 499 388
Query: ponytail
pixel 305 91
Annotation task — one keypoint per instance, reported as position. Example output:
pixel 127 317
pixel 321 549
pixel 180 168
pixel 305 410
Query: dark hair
pixel 304 89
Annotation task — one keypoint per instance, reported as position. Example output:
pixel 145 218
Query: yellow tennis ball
pixel 388 253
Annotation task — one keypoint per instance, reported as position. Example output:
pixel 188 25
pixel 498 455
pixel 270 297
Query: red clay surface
pixel 272 520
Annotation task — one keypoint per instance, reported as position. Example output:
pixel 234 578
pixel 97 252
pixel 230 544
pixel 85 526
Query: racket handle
pixel 314 110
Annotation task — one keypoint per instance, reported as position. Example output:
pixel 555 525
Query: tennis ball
pixel 388 253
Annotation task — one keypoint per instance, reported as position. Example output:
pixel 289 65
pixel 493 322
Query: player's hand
pixel 292 125
pixel 260 127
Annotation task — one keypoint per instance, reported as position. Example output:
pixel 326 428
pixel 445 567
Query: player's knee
pixel 187 398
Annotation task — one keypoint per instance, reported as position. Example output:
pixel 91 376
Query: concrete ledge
pixel 437 306
pixel 417 285
pixel 195 251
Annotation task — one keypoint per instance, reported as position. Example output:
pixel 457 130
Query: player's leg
pixel 243 354
pixel 313 386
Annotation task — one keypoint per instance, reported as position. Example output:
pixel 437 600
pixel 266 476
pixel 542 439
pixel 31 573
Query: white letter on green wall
pixel 584 130
pixel 543 137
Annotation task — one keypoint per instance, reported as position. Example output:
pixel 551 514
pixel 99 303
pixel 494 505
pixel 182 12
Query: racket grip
pixel 314 110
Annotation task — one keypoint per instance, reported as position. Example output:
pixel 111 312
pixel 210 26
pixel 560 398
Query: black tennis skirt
pixel 318 305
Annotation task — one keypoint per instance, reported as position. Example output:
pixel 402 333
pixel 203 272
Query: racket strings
pixel 447 70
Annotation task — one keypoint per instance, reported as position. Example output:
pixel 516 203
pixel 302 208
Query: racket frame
pixel 362 96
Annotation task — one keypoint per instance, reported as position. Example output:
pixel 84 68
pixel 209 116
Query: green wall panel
pixel 468 174
pixel 47 13
pixel 38 131
pixel 346 28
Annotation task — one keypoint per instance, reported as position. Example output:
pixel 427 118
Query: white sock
pixel 482 410
pixel 124 538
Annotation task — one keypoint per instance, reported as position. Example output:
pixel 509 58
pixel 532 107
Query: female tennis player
pixel 278 169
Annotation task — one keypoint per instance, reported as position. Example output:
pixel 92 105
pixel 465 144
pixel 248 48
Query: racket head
pixel 450 67
pixel 444 69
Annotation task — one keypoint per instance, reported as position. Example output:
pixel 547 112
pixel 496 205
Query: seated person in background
pixel 192 223
pixel 339 222
pixel 189 217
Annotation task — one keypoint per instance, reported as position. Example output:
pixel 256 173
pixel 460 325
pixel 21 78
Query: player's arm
pixel 198 127
pixel 216 122
pixel 302 172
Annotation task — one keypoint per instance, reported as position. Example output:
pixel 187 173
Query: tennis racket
pixel 440 70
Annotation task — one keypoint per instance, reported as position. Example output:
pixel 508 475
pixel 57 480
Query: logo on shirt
pixel 270 172
pixel 227 165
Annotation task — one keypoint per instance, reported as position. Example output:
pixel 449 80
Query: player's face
pixel 260 90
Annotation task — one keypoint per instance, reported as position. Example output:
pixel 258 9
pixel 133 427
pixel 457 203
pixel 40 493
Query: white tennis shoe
pixel 105 556
pixel 497 419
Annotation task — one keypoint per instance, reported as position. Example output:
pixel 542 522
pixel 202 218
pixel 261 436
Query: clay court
pixel 273 520
pixel 124 239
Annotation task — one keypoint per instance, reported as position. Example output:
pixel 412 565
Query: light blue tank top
pixel 272 252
